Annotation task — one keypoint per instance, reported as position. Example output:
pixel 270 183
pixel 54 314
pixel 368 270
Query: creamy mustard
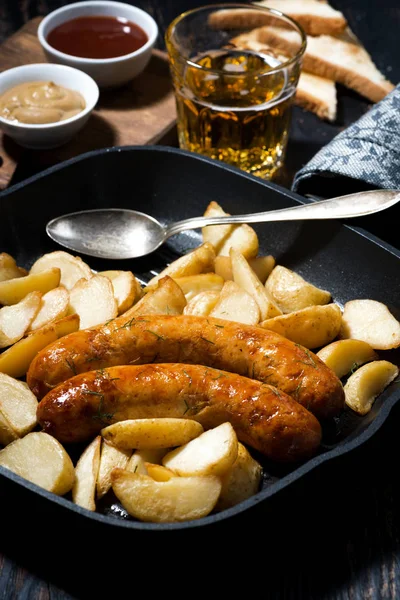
pixel 40 102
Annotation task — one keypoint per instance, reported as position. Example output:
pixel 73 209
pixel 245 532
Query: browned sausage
pixel 263 417
pixel 247 350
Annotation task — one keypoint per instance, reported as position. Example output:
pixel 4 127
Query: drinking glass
pixel 235 79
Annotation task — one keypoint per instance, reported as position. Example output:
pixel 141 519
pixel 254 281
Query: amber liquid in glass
pixel 241 115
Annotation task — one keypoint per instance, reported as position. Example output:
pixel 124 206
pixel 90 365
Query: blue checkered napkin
pixel 367 154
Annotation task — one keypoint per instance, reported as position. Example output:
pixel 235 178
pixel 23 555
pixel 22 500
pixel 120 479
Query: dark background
pixel 334 535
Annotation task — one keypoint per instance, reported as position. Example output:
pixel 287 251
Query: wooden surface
pixel 142 112
pixel 333 536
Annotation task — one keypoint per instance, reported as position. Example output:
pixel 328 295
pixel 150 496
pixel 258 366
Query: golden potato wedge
pixel 16 319
pixel 343 356
pixel 158 472
pixel 241 481
pixel 211 453
pixel 261 265
pixel 54 305
pixel 167 298
pixel 372 322
pixel 202 304
pixel 292 292
pixel 15 290
pixel 18 406
pixel 215 234
pixel 41 459
pixel 199 260
pixel 16 359
pixel 140 458
pixel 363 386
pixel 176 500
pixel 235 304
pixel 195 284
pixel 245 277
pixel 7 434
pixel 86 473
pixel 9 268
pixel 110 457
pixel 244 239
pixel 72 268
pixel 151 433
pixel 93 300
pixel 127 289
pixel 312 327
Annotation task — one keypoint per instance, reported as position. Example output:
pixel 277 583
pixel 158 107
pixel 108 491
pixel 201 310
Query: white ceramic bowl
pixel 49 135
pixel 107 72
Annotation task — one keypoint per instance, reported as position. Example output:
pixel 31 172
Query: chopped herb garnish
pixel 187 407
pixel 126 325
pixel 312 361
pixel 102 416
pixel 71 365
pixel 206 340
pixel 160 337
pixel 190 379
pixel 220 326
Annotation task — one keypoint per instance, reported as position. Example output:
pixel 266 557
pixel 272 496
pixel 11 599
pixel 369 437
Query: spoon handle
pixel 343 207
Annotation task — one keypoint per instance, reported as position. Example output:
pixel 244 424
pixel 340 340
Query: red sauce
pixel 97 37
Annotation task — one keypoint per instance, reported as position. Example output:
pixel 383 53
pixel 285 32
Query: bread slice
pixel 332 58
pixel 316 18
pixel 315 94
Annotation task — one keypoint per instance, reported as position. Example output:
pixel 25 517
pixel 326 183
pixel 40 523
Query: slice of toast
pixel 316 18
pixel 313 93
pixel 332 58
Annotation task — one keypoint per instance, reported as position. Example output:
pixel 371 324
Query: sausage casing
pixel 263 417
pixel 247 350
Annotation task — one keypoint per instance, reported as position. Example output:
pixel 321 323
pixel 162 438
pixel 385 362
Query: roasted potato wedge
pixel 235 304
pixel 54 305
pixel 72 268
pixel 241 481
pixel 178 499
pixel 211 453
pixel 370 380
pixel 15 290
pixel 140 458
pixel 215 234
pixel 291 292
pixel 158 472
pixel 41 459
pixel 167 298
pixel 202 304
pixel 127 289
pixel 372 322
pixel 261 265
pixel 86 473
pixel 9 268
pixel 16 359
pixel 192 285
pixel 16 319
pixel 7 434
pixel 94 292
pixel 151 433
pixel 343 356
pixel 199 260
pixel 245 277
pixel 18 407
pixel 110 458
pixel 312 327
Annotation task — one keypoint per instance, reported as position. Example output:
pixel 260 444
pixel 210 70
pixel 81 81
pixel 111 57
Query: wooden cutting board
pixel 142 112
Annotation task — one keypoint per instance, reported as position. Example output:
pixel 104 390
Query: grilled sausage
pixel 247 350
pixel 266 419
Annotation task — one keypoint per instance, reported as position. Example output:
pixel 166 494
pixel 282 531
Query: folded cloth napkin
pixel 366 155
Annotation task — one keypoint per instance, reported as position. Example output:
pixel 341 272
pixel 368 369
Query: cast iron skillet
pixel 172 184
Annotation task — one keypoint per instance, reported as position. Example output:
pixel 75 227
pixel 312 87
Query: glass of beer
pixel 235 69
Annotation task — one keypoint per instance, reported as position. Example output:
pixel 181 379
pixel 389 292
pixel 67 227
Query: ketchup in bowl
pixel 97 37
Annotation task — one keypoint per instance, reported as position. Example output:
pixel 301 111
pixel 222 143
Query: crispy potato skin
pixel 266 419
pixel 243 349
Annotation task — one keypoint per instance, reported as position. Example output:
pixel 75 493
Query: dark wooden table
pixel 334 535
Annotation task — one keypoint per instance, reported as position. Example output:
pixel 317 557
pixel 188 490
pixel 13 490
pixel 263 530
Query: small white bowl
pixel 107 72
pixel 49 135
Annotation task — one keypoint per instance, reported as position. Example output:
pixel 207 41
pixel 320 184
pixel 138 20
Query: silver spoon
pixel 119 233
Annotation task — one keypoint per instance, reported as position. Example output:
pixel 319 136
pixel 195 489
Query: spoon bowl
pixel 119 233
